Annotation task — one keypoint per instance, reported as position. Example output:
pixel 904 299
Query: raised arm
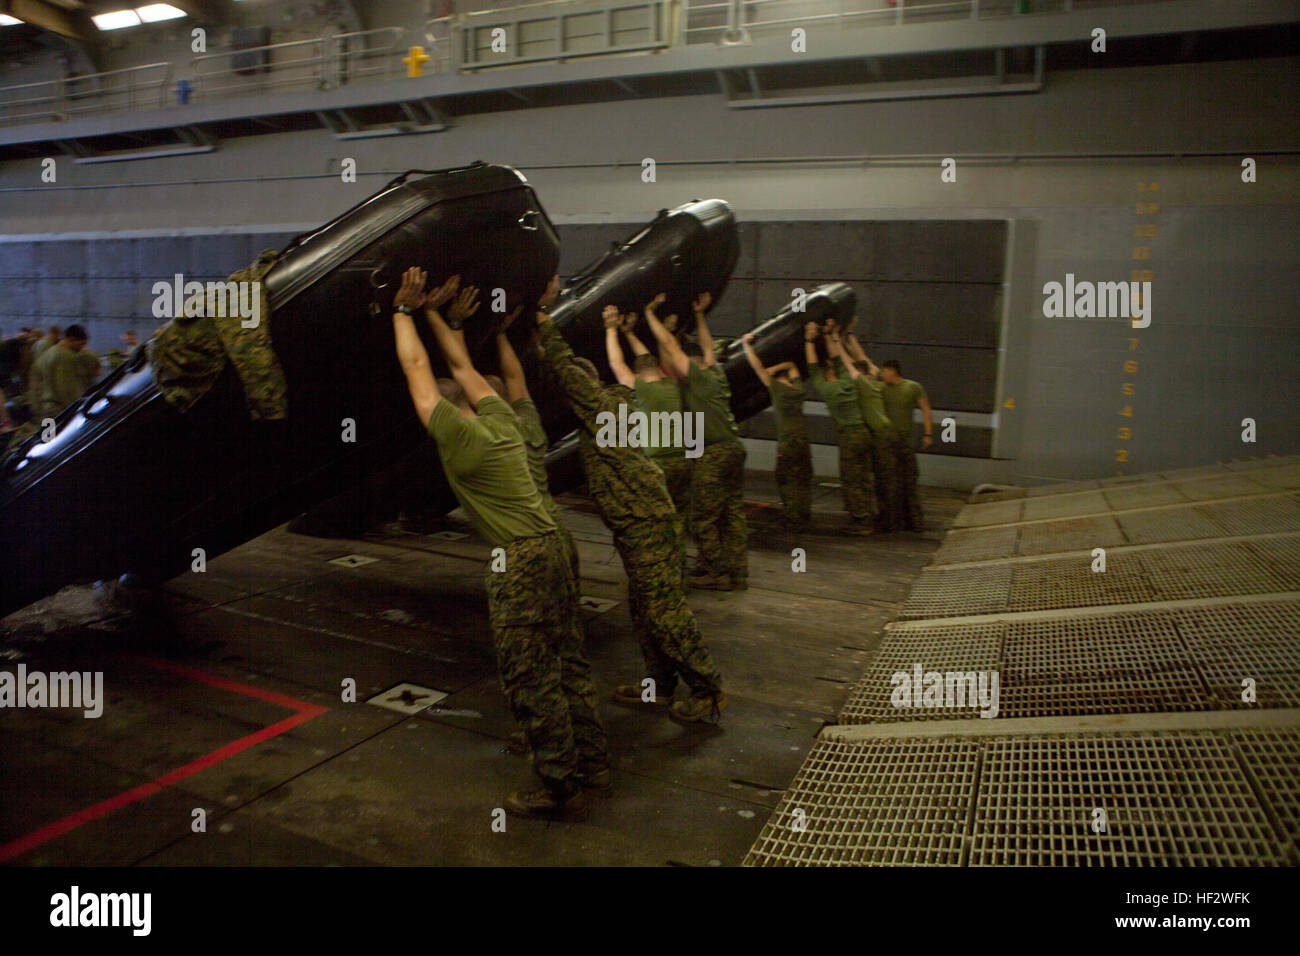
pixel 626 325
pixel 668 347
pixel 410 350
pixel 699 307
pixel 836 352
pixel 614 351
pixel 781 367
pixel 810 333
pixel 754 363
pixel 855 349
pixel 451 340
pixel 512 372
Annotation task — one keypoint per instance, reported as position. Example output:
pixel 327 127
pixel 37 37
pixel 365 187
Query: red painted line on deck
pixel 304 713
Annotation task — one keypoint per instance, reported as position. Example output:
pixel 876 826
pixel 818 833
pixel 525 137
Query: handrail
pixel 340 59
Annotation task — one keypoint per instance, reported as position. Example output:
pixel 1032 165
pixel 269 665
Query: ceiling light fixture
pixel 157 12
pixel 116 19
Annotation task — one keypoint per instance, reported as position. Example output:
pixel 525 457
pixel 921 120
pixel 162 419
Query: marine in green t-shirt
pixel 851 435
pixel 794 473
pixel 535 443
pixel 718 518
pixel 632 496
pixel 531 593
pixel 487 467
pixel 900 398
pixel 871 398
pixel 64 372
pixel 839 394
pixel 708 391
pixel 787 406
pixel 664 397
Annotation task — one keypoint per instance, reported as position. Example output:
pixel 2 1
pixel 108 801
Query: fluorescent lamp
pixel 157 12
pixel 8 21
pixel 116 19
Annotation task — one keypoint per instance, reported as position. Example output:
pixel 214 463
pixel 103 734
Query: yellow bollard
pixel 415 61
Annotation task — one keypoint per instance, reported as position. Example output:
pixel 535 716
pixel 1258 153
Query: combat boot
pixel 542 804
pixel 599 783
pixel 694 709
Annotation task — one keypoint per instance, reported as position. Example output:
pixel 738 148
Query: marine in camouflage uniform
pixel 533 433
pixel 717 485
pixel 794 471
pixel 546 680
pixel 854 439
pixel 900 398
pixel 883 461
pixel 884 457
pixel 633 500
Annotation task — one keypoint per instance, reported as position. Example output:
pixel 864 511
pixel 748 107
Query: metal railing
pixel 323 63
pixel 133 88
pixel 559 30
pixel 549 31
pixel 730 22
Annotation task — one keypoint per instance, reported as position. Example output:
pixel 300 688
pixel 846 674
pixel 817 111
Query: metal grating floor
pixel 1175 524
pixel 1223 486
pixel 1137 713
pixel 976 545
pixel 1075 534
pixel 1169 798
pixel 894 802
pixel 1143 496
pixel 938 593
pixel 1185 659
pixel 995 512
pixel 1064 507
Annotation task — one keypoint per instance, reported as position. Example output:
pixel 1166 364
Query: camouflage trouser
pixel 855 472
pixel 718 510
pixel 909 496
pixel 794 474
pixel 677 475
pixel 669 635
pixel 546 680
pixel 885 470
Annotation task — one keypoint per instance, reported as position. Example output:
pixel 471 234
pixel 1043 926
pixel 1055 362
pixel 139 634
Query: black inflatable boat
pixel 128 483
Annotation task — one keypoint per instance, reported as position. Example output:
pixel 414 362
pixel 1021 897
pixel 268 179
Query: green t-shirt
pixel 787 404
pixel 486 464
pixel 708 391
pixel 900 399
pixel 535 443
pixel 840 396
pixel 63 377
pixel 662 395
pixel 871 393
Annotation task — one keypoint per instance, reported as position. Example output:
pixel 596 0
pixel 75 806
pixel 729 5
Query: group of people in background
pixel 42 373
pixel 492 447
pixel 871 408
